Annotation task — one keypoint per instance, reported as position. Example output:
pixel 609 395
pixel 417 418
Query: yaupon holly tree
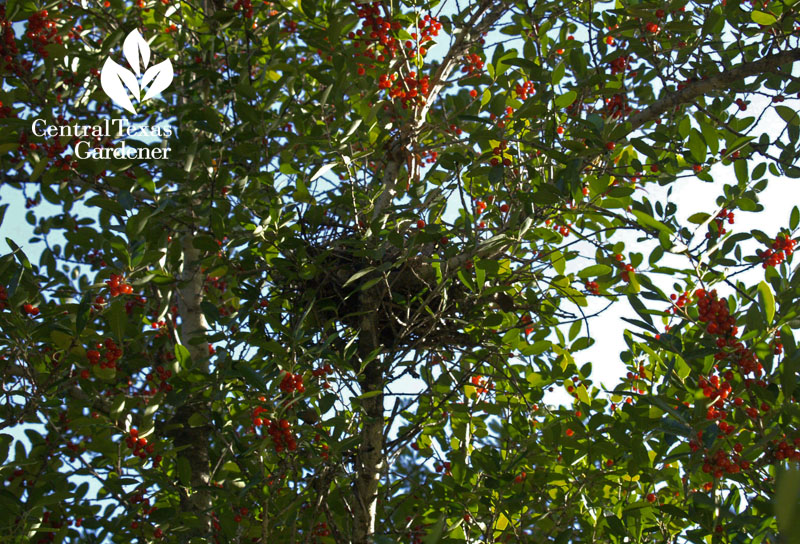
pixel 374 238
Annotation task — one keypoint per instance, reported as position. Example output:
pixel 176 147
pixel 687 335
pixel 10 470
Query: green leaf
pixel 787 503
pixel 740 169
pixel 765 19
pixel 766 301
pixel 699 218
pixel 697 146
pixel 182 355
pixel 117 317
pixel 595 270
pixel 184 471
pixel 5 442
pixel 788 114
pixel 18 253
pixel 301 193
pixel 359 274
pixel 117 406
pixel 566 99
pixel 646 220
pixel 559 263
pixel 435 533
pixel 196 420
pixel 322 170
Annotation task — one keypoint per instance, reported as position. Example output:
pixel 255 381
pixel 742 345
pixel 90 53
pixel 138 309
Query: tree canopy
pixel 306 271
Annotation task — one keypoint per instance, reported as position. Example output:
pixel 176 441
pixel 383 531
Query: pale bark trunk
pixel 369 459
pixel 194 326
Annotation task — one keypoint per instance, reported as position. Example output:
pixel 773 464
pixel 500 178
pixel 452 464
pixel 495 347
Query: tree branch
pixel 724 80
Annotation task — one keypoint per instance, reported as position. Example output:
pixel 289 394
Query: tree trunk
pixel 194 439
pixel 369 459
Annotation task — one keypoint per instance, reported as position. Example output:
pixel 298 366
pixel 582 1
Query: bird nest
pixel 398 294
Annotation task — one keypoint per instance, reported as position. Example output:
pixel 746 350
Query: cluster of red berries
pixel 291 383
pixel 524 89
pixel 652 28
pixel 519 478
pixel 246 6
pixel 282 436
pixel 627 269
pixel 782 248
pixel 455 130
pixel 784 450
pixel 620 64
pixel 526 320
pixel 409 89
pixel 5 111
pixel 720 219
pixel 429 27
pixel 30 309
pixel 321 529
pixel 141 448
pixel 95 258
pixel 416 533
pixel 716 313
pixel 563 230
pixel 112 355
pixel 138 498
pixel 327 369
pixel 482 384
pixel 134 302
pixel 241 513
pixel 256 415
pixel 717 392
pixel 118 286
pixel 721 463
pixel 480 205
pixel 635 377
pixel 500 148
pixel 215 282
pixel 444 467
pixel 375 33
pixel 473 64
pixel 8 44
pixel 42 31
pixel 592 287
pixel 678 301
pixel 616 106
pixel 494 161
pixel 3 298
pixel 161 376
pixel 430 156
pixel 50 535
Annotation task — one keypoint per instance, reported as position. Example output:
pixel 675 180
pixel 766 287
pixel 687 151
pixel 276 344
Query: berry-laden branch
pixel 487 14
pixel 721 81
pixel 501 241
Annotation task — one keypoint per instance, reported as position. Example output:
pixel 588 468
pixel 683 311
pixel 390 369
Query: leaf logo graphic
pixel 120 84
